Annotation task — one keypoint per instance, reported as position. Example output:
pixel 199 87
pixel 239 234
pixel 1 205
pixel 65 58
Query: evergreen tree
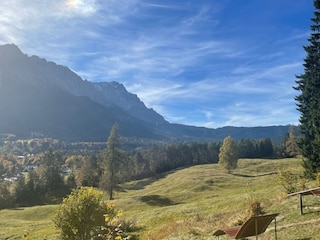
pixel 265 148
pixel 308 100
pixel 49 171
pixel 112 161
pixel 27 190
pixel 246 148
pixel 228 156
pixel 6 200
pixel 213 149
pixel 140 165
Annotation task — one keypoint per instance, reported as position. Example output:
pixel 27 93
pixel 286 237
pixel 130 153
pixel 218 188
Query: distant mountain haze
pixel 41 98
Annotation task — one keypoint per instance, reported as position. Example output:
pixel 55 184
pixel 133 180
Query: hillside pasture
pixel 191 203
pixel 28 223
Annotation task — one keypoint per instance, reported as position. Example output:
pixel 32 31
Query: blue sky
pixel 209 63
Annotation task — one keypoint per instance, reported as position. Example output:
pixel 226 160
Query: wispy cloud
pixel 202 63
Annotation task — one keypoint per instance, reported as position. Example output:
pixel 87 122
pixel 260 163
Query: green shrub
pixel 115 227
pixel 291 181
pixel 81 214
pixel 254 206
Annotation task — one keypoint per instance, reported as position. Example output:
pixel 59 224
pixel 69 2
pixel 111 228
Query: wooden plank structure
pixel 254 226
pixel 312 191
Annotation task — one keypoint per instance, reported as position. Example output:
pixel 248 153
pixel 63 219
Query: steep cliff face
pixel 116 93
pixel 42 97
pixel 34 69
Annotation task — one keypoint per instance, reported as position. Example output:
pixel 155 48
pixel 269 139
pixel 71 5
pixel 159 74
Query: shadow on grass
pixel 133 233
pixel 157 200
pixel 253 176
pixel 18 208
pixel 311 208
pixel 141 184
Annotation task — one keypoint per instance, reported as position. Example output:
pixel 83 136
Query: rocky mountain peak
pixel 34 69
pixel 10 50
pixel 41 98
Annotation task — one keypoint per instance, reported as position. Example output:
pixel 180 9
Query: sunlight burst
pixel 82 7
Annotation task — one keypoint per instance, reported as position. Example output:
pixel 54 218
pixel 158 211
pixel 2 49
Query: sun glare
pixel 72 3
pixel 80 6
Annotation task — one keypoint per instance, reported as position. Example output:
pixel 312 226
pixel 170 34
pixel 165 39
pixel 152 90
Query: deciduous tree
pixel 88 174
pixel 290 148
pixel 228 156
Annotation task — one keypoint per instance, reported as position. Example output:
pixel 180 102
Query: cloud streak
pixel 204 64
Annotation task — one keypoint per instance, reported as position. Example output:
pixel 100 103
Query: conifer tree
pixel 112 161
pixel 50 170
pixel 308 100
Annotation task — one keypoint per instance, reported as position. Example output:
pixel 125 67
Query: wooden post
pixel 275 228
pixel 300 204
pixel 256 226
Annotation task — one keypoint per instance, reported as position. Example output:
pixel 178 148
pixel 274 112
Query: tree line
pixel 46 177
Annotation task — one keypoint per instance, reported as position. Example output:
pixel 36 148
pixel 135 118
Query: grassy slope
pixel 34 222
pixel 191 203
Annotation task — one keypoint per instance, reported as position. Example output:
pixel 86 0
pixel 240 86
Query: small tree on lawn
pixel 228 156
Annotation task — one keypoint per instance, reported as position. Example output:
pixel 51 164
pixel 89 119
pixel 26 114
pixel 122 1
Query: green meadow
pixel 192 203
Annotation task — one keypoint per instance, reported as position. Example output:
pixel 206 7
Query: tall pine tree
pixel 112 158
pixel 308 100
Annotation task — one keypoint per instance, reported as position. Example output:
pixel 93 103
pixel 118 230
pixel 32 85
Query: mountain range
pixel 44 99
